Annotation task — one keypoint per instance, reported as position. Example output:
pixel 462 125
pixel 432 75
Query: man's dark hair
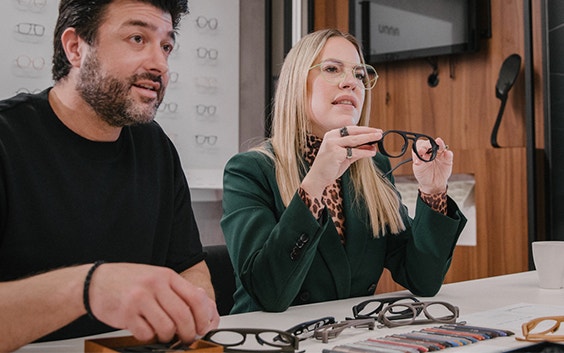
pixel 86 16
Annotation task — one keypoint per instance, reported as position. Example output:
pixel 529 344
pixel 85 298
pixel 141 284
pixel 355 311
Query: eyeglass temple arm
pixel 385 175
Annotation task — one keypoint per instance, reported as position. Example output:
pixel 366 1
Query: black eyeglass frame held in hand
pixel 407 136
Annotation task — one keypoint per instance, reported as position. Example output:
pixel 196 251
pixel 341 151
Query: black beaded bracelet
pixel 85 294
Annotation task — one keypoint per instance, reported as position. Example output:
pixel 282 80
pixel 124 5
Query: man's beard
pixel 109 96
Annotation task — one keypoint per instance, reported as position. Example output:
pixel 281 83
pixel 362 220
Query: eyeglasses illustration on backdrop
pixel 207 53
pixel 27 90
pixel 170 107
pixel 30 29
pixel 31 5
pixel 202 140
pixel 173 76
pixel 26 62
pixel 205 110
pixel 28 66
pixel 203 22
pixel 206 84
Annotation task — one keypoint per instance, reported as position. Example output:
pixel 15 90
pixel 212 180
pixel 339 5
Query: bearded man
pixel 96 225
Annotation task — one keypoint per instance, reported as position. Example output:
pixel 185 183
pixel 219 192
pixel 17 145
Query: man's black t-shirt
pixel 66 200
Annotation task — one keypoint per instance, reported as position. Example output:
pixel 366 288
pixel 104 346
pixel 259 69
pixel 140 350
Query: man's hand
pixel 151 301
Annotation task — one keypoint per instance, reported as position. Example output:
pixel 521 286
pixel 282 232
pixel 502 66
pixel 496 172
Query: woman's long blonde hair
pixel 290 110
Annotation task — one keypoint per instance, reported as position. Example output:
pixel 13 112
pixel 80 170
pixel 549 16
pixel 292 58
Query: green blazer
pixel 283 256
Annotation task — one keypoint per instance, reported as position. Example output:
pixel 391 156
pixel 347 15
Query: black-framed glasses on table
pixel 327 332
pixel 306 329
pixel 542 329
pixel 267 340
pixel 395 315
pixel 371 308
pixel 395 143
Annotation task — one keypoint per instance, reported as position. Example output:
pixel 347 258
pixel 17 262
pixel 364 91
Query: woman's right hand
pixel 340 148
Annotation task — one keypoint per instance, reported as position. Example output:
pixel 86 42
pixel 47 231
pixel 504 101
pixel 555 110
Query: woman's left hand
pixel 433 176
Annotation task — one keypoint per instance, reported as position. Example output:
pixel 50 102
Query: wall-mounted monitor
pixel 392 30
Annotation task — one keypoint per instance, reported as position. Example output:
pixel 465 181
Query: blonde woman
pixel 310 214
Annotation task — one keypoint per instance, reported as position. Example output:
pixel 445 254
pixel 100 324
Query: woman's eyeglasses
pixel 334 71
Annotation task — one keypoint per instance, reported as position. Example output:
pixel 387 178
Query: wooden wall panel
pixel 500 192
pixel 462 110
pixel 331 13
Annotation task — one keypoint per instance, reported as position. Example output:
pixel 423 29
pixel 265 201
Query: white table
pixel 481 303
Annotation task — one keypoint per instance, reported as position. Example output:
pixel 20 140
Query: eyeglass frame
pixel 356 309
pixel 33 3
pixel 167 107
pixel 327 332
pixel 543 335
pixel 292 342
pixel 37 63
pixel 206 110
pixel 344 74
pixel 209 53
pixel 407 136
pixel 34 29
pixel 211 23
pixel 308 326
pixel 417 308
pixel 207 82
pixel 203 139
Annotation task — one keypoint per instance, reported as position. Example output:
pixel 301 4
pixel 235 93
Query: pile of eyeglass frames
pixel 369 314
pixel 394 312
